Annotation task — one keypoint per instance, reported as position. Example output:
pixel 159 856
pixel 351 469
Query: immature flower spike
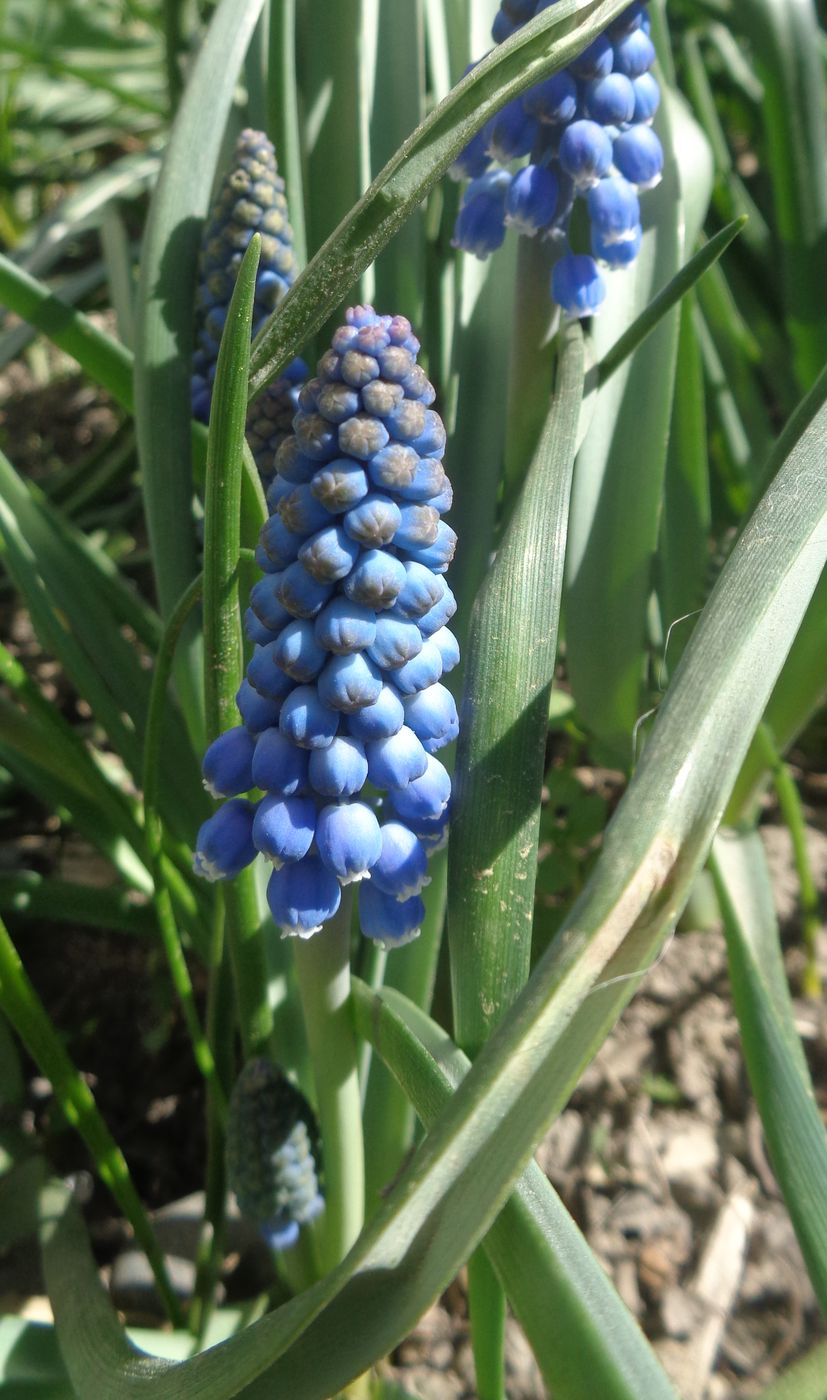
pixel 250 200
pixel 272 1148
pixel 586 133
pixel 350 624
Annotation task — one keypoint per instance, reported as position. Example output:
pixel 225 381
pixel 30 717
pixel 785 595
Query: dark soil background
pixel 659 1156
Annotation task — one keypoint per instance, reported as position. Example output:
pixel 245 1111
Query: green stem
pixel 220 1033
pixel 789 800
pixel 389 1117
pixel 283 116
pixel 486 1309
pixel 162 898
pixel 20 1003
pixel 323 967
pixel 173 47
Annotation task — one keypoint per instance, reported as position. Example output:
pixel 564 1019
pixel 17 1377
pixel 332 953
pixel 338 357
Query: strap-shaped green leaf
pixel 774 1058
pixel 546 1267
pixel 511 651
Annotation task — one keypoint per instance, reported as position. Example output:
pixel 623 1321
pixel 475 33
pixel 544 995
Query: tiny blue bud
pixel 422 590
pixel 266 606
pixel 376 580
pixel 329 555
pixel 402 869
pixel 427 796
pixel 418 524
pixel 634 54
pixel 473 160
pixel 340 485
pixel 394 466
pixel 531 200
pixel 430 440
pixel 349 840
pixel 435 619
pixel 406 420
pixel 428 479
pixel 284 827
pixel 617 253
pixel 381 398
pixel 397 641
pixel 226 767
pixel 339 770
pixel 279 488
pixel 265 674
pixel 297 651
pixel 614 210
pixel 278 764
pixel 503 27
pixel 576 284
pixel 610 100
pixel 480 225
pixel 432 831
pixel 448 648
pixel 302 896
pixel 316 437
pixel 554 100
pixel 374 521
pixel 343 626
pixel 224 845
pixel 396 362
pixel 387 921
pixel 336 402
pixel 647 97
pixel 423 670
pixel 585 153
pixel 595 61
pixel 349 682
pixel 396 761
pixel 638 156
pixel 255 631
pixel 301 512
pixel 279 544
pixel 299 593
pixel 513 132
pixel 292 464
pixel 306 720
pixel 630 19
pixel 257 711
pixel 442 502
pixel 264 562
pixel 358 368
pixel 361 436
pixel 379 720
pixel 438 555
pixel 432 715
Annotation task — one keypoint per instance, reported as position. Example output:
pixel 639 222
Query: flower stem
pixel 789 800
pixel 323 967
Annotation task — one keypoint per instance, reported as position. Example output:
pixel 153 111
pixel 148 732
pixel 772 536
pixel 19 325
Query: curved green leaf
pixel 545 1265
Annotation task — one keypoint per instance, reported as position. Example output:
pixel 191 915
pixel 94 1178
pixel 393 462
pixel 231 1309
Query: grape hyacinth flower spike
pixel 272 1153
pixel 350 626
pixel 586 132
pixel 250 200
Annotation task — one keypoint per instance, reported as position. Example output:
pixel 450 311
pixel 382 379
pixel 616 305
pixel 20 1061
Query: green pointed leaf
pixel 778 1074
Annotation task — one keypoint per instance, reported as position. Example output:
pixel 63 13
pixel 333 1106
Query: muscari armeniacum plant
pixel 587 134
pixel 250 200
pixel 342 707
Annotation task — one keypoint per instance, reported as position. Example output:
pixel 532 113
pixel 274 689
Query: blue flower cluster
pixel 587 134
pixel 272 1146
pixel 250 200
pixel 350 626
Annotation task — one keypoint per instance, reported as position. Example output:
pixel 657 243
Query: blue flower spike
pixel 272 1154
pixel 585 129
pixel 250 200
pixel 349 621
